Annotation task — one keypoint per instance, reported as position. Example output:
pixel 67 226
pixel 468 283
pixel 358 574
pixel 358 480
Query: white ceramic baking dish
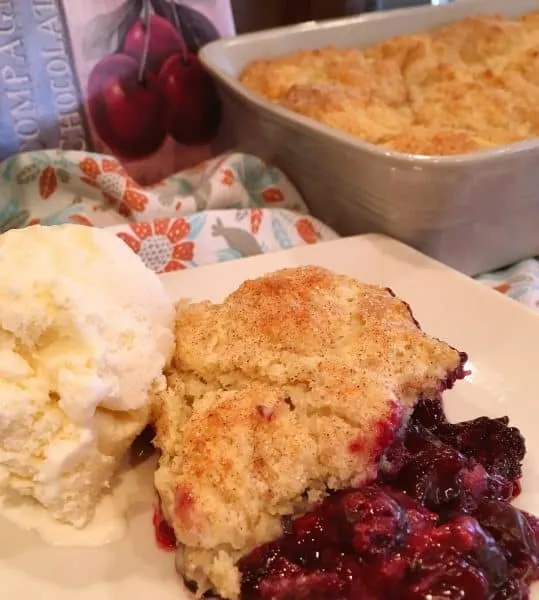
pixel 475 212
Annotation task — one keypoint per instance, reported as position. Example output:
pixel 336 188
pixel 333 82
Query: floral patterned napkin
pixel 226 208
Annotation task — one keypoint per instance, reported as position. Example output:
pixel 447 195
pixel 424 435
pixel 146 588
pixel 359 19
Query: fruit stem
pixel 146 47
pixel 179 27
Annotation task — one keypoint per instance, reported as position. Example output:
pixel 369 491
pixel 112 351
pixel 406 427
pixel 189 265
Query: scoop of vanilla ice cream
pixel 85 332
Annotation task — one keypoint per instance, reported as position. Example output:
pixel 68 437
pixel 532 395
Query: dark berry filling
pixel 437 524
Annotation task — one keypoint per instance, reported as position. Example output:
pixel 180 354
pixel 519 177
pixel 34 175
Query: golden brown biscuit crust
pixel 463 87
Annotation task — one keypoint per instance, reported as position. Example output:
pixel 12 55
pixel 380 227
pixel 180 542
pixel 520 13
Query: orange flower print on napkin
pixel 503 288
pixel 228 177
pixel 161 244
pixel 256 219
pixel 116 186
pixel 80 219
pixel 272 195
pixel 306 231
pixel 48 182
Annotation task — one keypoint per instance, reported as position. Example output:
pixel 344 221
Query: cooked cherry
pixel 454 581
pixel 378 522
pixel 513 534
pixel 483 439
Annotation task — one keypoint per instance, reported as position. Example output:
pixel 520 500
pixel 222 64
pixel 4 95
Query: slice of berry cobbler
pixel 279 400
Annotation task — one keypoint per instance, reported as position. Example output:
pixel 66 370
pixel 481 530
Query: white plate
pixel 500 336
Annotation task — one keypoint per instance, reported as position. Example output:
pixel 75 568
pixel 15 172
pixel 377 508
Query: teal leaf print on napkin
pixel 63 175
pixel 280 234
pixel 184 187
pixel 12 215
pixel 8 166
pixel 197 223
pixel 242 214
pixel 27 174
pixel 256 176
pixel 226 254
pixel 63 216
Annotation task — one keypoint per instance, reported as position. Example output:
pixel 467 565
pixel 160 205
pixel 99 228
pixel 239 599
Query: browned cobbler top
pixel 470 85
pixel 295 383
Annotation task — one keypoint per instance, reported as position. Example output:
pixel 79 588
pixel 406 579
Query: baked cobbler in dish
pixel 467 86
pixel 291 389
